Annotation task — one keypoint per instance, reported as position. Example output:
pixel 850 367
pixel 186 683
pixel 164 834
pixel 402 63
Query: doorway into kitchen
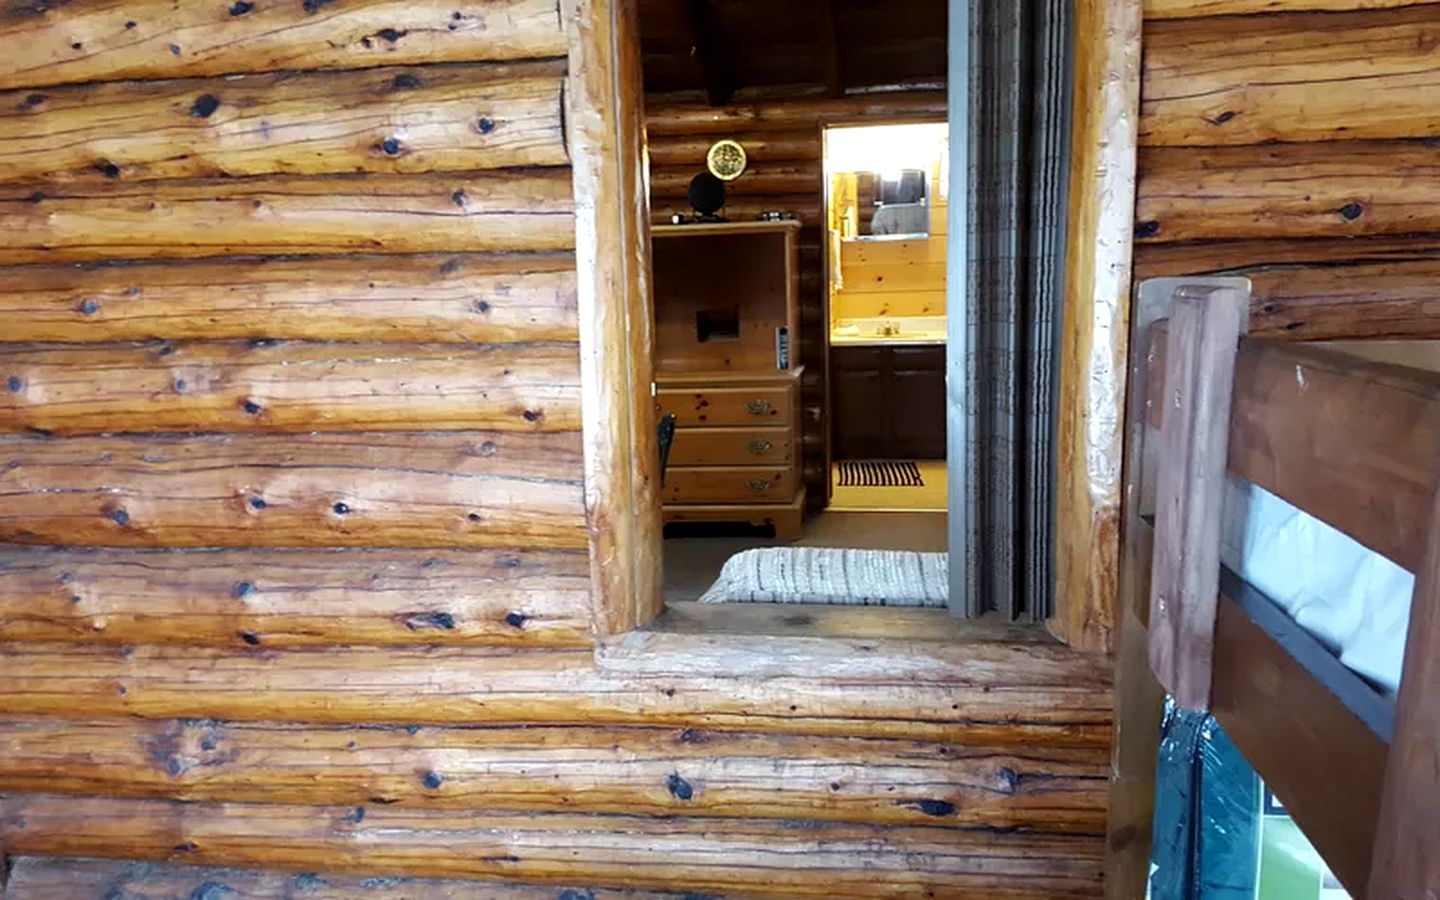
pixel 886 212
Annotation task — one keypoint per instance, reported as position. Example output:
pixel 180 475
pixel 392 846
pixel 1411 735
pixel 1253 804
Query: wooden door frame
pixel 605 121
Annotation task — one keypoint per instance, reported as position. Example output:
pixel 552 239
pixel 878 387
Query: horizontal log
pixel 797 858
pixel 430 119
pixel 1320 290
pixel 688 119
pixel 988 703
pixel 758 181
pixel 41 878
pixel 94 41
pixel 1317 76
pixel 295 598
pixel 234 386
pixel 761 147
pixel 461 489
pixel 1188 9
pixel 463 298
pixel 524 210
pixel 623 771
pixel 1288 190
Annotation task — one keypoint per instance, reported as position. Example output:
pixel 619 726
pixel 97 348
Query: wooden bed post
pixel 1205 327
pixel 1406 862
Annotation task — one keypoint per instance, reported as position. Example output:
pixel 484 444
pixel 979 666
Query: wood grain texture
pixel 466 489
pixel 606 127
pixel 1091 391
pixel 620 771
pixel 1406 860
pixel 391 120
pixel 40 878
pixel 1188 9
pixel 93 40
pixel 1320 289
pixel 1205 326
pixel 1305 190
pixel 294 598
pixel 461 298
pixel 805 688
pixel 1303 76
pixel 1321 761
pixel 203 386
pixel 524 210
pixel 758 180
pixel 784 115
pixel 801 144
pixel 1352 443
pixel 796 858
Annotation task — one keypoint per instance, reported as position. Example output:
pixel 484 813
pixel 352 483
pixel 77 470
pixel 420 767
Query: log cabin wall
pixel 294 570
pixel 781 136
pixel 1293 142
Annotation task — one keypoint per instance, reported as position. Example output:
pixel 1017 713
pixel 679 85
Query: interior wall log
pixel 1298 190
pixel 1189 9
pixel 295 598
pixel 390 120
pixel 458 298
pixel 1286 77
pixel 760 179
pixel 204 386
pixel 620 771
pixel 786 115
pixel 469 686
pixel 1321 292
pixel 462 489
pixel 800 145
pixel 41 878
pixel 800 858
pixel 93 41
pixel 525 210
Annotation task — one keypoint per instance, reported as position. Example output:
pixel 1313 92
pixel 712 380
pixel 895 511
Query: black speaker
pixel 707 195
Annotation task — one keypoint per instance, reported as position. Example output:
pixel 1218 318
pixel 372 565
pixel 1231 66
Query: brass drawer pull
pixel 759 485
pixel 757 407
pixel 759 447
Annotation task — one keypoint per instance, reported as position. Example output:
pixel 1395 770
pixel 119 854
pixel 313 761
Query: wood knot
pixel 251 407
pixel 340 509
pixel 485 124
pixel 119 516
pixel 14 383
pixel 107 168
pixel 258 503
pixel 693 736
pixel 930 807
pixel 459 198
pixel 174 49
pixel 390 35
pixel 532 415
pixel 405 83
pixel 1147 229
pixel 516 619
pixel 678 787
pixel 432 780
pixel 89 307
pixel 242 589
pixel 390 146
pixel 419 621
pixel 1223 117
pixel 250 638
pixel 240 7
pixel 1351 211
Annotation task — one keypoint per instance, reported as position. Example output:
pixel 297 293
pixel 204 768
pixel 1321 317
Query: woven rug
pixel 880 473
pixel 834 576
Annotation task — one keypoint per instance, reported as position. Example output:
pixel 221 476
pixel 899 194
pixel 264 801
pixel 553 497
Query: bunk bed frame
pixel 1351 441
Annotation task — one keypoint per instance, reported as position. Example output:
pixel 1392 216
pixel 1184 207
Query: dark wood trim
pixel 702 31
pixel 833 77
pixel 1291 707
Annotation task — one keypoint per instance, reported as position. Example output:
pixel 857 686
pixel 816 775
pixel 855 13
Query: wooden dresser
pixel 726 320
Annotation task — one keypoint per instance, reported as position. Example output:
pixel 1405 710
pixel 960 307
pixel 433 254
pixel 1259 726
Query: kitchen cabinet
pixel 888 401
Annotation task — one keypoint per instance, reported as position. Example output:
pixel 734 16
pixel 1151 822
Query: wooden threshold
pixel 824 621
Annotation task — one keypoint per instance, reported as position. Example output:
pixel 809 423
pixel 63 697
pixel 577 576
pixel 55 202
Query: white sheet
pixel 1351 598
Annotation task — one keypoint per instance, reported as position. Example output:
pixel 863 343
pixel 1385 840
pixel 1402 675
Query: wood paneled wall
pixel 296 447
pixel 1293 142
pixel 782 140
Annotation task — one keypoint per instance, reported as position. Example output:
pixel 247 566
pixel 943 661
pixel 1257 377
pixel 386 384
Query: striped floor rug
pixel 880 473
pixel 833 576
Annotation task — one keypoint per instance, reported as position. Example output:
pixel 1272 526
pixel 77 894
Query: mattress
pixel 1349 597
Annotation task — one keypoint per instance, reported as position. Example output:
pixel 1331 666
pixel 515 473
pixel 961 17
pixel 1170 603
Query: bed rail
pixel 1351 441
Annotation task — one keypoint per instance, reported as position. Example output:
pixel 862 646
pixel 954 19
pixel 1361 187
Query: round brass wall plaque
pixel 726 160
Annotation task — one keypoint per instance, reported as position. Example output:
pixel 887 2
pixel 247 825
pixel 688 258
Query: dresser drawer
pixel 730 446
pixel 728 405
pixel 729 484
